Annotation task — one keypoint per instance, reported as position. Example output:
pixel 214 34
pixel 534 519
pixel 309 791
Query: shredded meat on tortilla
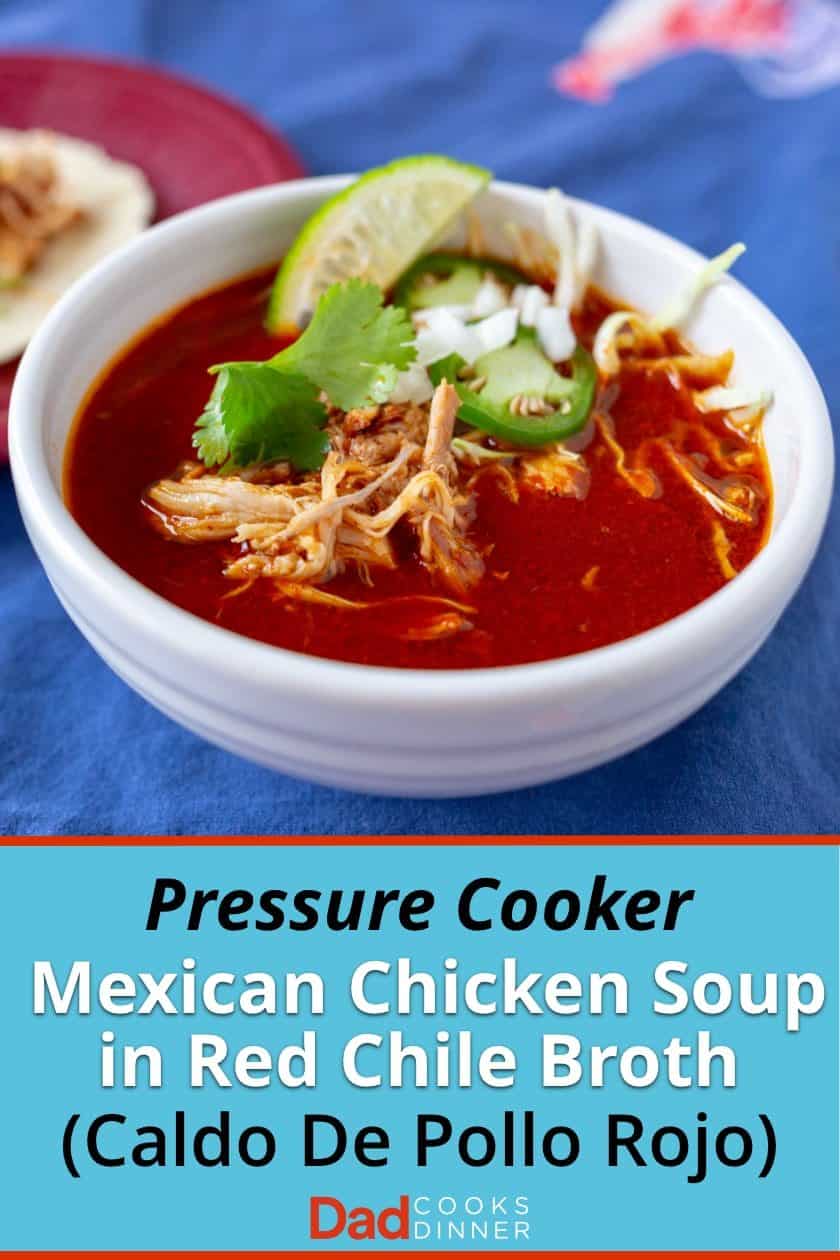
pixel 32 210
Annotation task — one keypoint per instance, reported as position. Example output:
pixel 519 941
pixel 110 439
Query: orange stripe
pixel 473 841
pixel 396 1255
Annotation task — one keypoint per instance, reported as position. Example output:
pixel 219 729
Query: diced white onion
pixel 555 333
pixel 421 317
pixel 529 300
pixel 444 333
pixel 413 386
pixel 489 299
pixel 496 331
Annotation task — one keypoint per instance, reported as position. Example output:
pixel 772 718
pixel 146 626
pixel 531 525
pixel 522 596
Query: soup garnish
pixel 494 465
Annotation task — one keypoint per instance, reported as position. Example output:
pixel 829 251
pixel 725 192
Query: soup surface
pixel 562 574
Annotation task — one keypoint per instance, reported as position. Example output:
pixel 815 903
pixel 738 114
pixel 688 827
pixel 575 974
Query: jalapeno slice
pixel 456 280
pixel 521 371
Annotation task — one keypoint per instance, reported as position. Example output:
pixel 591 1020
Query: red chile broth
pixel 652 558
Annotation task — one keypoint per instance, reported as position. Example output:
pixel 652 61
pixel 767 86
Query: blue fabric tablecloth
pixel 713 145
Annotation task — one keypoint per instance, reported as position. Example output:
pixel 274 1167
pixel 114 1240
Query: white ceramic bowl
pixel 407 732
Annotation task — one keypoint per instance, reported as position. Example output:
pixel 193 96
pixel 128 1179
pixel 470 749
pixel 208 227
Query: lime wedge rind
pixel 374 229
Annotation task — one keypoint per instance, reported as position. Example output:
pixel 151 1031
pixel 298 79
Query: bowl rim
pixel 757 594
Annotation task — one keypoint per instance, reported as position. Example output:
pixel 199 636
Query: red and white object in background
pixel 191 144
pixel 783 47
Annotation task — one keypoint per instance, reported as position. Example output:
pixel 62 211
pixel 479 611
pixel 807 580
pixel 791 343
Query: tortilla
pixel 116 202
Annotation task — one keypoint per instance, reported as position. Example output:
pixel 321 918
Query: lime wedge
pixel 374 229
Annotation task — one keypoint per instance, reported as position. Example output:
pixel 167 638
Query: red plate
pixel 191 144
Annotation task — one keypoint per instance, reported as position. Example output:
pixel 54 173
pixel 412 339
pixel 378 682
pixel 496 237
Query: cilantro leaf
pixel 258 412
pixel 353 347
pixel 353 350
pixel 210 438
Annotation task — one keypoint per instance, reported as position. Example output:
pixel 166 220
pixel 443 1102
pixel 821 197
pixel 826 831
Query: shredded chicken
pixel 449 553
pixel 443 626
pixel 361 419
pixel 32 210
pixel 442 526
pixel 208 508
pixel 444 409
pixel 722 547
pixel 390 465
pixel 555 470
pixel 374 439
pixel 643 480
pixel 688 369
pixel 734 497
